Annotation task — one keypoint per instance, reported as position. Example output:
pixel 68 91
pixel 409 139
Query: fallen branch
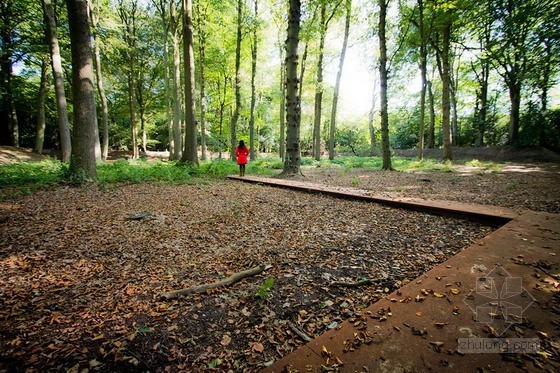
pixel 140 216
pixel 365 282
pixel 301 334
pixel 226 282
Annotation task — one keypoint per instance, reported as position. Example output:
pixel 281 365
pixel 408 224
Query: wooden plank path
pixel 400 334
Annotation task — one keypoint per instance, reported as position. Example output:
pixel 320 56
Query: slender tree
pixel 41 122
pixel 374 97
pixel 58 73
pixel 422 64
pixel 176 32
pixel 190 153
pixel 254 46
pixel 237 109
pixel 383 80
pixel 94 16
pixel 293 108
pixel 348 7
pixel 82 164
pixel 432 126
pixel 202 37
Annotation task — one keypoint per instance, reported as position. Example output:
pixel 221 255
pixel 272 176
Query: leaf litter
pixel 80 283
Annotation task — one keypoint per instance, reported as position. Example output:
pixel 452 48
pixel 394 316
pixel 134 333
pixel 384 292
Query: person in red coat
pixel 241 152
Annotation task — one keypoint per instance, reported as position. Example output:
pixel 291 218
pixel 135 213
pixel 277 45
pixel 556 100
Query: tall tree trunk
pixel 338 78
pixel 41 123
pixel 202 63
pixel 423 58
pixel 100 88
pixel 383 78
pixel 432 127
pixel 483 98
pixel 177 135
pixel 253 88
pixel 190 153
pixel 544 86
pixel 82 164
pixel 293 108
pixel 282 105
pixel 61 105
pixel 446 90
pixel 302 70
pixel 514 87
pixel 370 120
pixel 319 87
pixel 163 9
pixel 7 24
pixel 237 110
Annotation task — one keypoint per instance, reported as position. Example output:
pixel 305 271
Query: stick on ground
pixel 226 282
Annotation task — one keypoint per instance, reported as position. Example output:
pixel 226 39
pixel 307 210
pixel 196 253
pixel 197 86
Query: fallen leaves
pixel 79 282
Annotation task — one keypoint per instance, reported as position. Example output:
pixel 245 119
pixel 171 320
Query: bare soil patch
pixel 79 283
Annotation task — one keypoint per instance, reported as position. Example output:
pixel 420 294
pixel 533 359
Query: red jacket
pixel 242 154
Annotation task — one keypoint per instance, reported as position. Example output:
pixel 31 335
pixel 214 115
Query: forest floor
pixel 80 282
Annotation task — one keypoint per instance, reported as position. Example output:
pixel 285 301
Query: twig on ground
pixel 226 282
pixel 365 282
pixel 300 334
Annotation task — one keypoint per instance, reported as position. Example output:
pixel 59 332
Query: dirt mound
pixel 495 153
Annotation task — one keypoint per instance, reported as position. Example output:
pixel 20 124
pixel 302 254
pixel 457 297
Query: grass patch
pixel 17 179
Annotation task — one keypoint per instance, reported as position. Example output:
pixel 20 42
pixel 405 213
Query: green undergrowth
pixel 24 178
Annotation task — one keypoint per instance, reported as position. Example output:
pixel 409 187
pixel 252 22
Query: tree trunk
pixel 190 153
pixel 282 106
pixel 432 127
pixel 61 106
pixel 293 109
pixel 338 78
pixel 41 123
pixel 202 63
pixel 302 70
pixel 100 88
pixel 165 26
pixel 177 136
pixel 545 85
pixel 483 110
pixel 383 78
pixel 515 100
pixel 370 120
pixel 446 90
pixel 237 110
pixel 82 164
pixel 319 87
pixel 253 88
pixel 423 58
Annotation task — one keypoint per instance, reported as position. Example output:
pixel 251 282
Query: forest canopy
pixel 475 73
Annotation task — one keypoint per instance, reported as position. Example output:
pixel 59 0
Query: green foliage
pixel 264 289
pixel 24 178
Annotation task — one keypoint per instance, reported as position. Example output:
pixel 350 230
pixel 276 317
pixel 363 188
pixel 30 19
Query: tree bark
pixel 82 164
pixel 237 110
pixel 370 120
pixel 514 87
pixel 432 127
pixel 446 90
pixel 338 78
pixel 190 153
pixel 293 109
pixel 253 87
pixel 177 135
pixel 8 22
pixel 383 78
pixel 100 88
pixel 41 123
pixel 202 64
pixel 423 58
pixel 282 105
pixel 61 105
pixel 319 87
pixel 165 25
